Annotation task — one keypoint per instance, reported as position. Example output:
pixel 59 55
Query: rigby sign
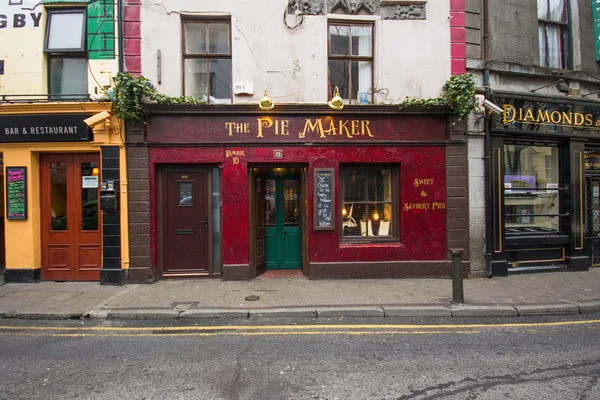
pixel 44 128
pixel 19 14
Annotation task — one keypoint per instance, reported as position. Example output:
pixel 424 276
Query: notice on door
pixel 89 182
pixel 16 192
pixel 324 199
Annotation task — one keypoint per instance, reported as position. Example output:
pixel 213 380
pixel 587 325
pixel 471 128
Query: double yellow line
pixel 270 330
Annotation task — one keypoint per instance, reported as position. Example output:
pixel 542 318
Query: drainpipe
pixel 488 146
pixel 120 34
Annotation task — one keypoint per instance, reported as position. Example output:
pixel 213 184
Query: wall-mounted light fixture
pixel 560 85
pixel 336 102
pixel 266 103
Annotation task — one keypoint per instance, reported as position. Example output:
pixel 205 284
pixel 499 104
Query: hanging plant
pixel 132 91
pixel 458 94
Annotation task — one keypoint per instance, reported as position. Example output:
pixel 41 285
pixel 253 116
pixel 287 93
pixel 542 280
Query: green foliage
pixel 458 93
pixel 132 91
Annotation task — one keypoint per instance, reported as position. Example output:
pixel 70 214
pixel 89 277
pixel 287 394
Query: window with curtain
pixel 369 202
pixel 553 28
pixel 207 60
pixel 350 61
pixel 65 46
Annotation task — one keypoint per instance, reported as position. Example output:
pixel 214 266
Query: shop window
pixel 369 202
pixel 531 189
pixel 350 62
pixel 67 56
pixel 207 60
pixel 553 28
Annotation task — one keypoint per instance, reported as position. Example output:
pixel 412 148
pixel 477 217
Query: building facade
pixel 300 157
pixel 532 157
pixel 64 202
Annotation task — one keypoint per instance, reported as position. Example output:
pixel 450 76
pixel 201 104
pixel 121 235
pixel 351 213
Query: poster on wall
pixel 16 192
pixel 324 199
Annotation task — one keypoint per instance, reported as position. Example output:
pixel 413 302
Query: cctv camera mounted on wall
pixel 97 119
pixel 492 107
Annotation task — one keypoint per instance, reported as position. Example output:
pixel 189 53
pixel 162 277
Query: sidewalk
pixel 519 295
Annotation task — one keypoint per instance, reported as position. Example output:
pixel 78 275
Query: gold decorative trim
pixel 581 182
pixel 538 261
pixel 500 189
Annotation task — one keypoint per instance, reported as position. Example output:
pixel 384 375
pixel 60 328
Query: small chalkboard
pixel 16 192
pixel 324 199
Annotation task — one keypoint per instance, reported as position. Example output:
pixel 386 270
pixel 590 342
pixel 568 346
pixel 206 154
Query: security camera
pixel 491 106
pixel 97 119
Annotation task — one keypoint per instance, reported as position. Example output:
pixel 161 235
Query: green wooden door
pixel 282 222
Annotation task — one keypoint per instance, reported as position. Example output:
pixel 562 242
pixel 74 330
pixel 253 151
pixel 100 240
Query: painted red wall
pixel 422 232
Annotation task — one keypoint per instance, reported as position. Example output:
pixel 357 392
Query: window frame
pixel 350 58
pixel 565 37
pixel 54 11
pixel 74 53
pixel 206 56
pixel 394 235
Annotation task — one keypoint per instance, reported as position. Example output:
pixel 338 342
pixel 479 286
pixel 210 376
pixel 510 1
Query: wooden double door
pixel 186 221
pixel 70 217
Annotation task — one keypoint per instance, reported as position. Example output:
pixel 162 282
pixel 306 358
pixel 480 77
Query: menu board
pixel 324 199
pixel 16 192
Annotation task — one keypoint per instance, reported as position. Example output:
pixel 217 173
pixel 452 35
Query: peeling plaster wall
pixel 412 57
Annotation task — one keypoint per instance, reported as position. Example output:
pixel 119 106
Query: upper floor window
pixel 65 46
pixel 351 61
pixel 207 60
pixel 553 27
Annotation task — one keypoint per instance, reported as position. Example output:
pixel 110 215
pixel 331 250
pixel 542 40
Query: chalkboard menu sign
pixel 16 192
pixel 324 199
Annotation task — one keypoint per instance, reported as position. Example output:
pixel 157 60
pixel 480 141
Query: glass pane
pixel 220 81
pixel 531 182
pixel 195 38
pixel 270 193
pixel 291 202
pixel 68 76
pixel 543 45
pixel 558 10
pixel 195 74
pixel 66 31
pixel 353 181
pixel 542 8
pixel 58 196
pixel 339 75
pixel 89 196
pixel 218 38
pixel 361 77
pixel 186 196
pixel 339 41
pixel 379 185
pixel 361 40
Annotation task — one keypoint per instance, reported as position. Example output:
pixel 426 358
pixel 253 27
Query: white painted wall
pixel 412 58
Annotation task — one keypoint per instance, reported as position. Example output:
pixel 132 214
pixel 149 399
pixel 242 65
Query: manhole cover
pixel 252 297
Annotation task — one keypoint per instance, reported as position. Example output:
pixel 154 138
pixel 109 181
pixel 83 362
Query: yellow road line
pixel 212 334
pixel 300 327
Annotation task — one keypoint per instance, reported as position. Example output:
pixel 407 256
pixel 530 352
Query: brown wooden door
pixel 186 222
pixel 71 218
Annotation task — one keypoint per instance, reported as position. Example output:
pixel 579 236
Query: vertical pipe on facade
pixel 120 33
pixel 487 146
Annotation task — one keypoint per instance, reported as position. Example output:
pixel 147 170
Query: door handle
pixel 285 232
pixel 205 222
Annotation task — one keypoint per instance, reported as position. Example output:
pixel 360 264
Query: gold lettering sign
pixel 323 128
pixel 513 114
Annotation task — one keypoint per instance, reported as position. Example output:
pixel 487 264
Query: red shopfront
pixel 234 192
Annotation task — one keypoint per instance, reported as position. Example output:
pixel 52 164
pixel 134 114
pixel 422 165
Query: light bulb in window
pixel 376 216
pixel 344 212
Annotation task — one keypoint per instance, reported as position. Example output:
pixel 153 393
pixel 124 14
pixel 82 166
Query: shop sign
pixel 592 160
pixel 546 116
pixel 44 128
pixel 18 14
